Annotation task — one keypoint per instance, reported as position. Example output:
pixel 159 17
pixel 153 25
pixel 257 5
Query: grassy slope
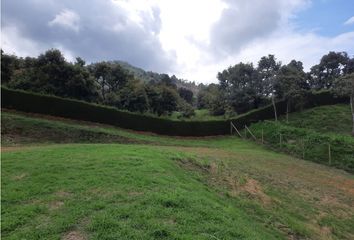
pixel 309 133
pixel 185 188
pixel 326 119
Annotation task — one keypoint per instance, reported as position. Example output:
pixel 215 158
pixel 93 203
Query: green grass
pixel 114 192
pixel 19 128
pixel 325 119
pixel 161 187
pixel 308 144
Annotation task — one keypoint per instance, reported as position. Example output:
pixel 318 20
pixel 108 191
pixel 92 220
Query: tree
pixel 110 76
pixel 51 74
pixel 344 86
pixel 331 66
pixel 8 66
pixel 291 83
pixel 133 97
pixel 186 94
pixel 242 87
pixel 167 81
pixel 162 99
pixel 268 68
pixel 186 109
pixel 80 83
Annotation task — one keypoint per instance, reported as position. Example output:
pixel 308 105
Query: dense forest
pixel 241 87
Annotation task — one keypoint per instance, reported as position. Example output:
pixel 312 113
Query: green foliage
pixel 8 66
pixel 207 96
pixel 110 77
pixel 290 84
pixel 344 86
pixel 186 94
pixel 186 110
pixel 162 99
pixel 309 144
pixel 51 105
pixel 241 87
pixel 133 97
pixel 331 66
pixel 268 68
pixel 31 102
pixel 51 74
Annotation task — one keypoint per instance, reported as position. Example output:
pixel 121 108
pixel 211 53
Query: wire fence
pixel 328 149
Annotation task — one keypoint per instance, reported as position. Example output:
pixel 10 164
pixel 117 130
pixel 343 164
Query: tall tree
pixel 291 83
pixel 110 76
pixel 331 66
pixel 268 68
pixel 242 87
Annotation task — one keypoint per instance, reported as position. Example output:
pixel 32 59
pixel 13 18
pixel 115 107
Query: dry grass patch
pixel 19 177
pixel 73 235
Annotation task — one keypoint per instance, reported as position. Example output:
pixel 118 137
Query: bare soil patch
pixel 73 235
pixel 55 205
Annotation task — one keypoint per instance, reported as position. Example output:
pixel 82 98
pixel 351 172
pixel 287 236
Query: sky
pixel 192 39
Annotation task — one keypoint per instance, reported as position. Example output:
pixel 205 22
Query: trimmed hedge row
pixel 69 108
pixel 75 109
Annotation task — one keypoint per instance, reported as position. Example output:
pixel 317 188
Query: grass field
pixel 59 181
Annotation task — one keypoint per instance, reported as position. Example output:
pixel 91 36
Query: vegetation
pixel 80 110
pixel 308 144
pixel 344 86
pixel 165 188
pixel 241 87
pixel 324 119
pixel 107 83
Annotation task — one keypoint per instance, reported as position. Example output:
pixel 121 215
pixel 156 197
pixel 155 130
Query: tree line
pixel 243 87
pixel 105 82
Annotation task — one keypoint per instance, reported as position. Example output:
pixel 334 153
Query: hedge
pixel 75 109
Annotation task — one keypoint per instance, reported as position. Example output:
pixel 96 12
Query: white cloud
pixel 67 19
pixel 14 43
pixel 191 39
pixel 350 21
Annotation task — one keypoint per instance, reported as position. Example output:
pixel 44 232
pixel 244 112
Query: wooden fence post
pixel 252 135
pixel 233 126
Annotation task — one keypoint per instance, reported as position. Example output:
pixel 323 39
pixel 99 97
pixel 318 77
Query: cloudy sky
pixel 193 39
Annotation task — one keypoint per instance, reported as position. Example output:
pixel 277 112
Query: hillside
pixel 148 76
pixel 161 187
pixel 325 119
